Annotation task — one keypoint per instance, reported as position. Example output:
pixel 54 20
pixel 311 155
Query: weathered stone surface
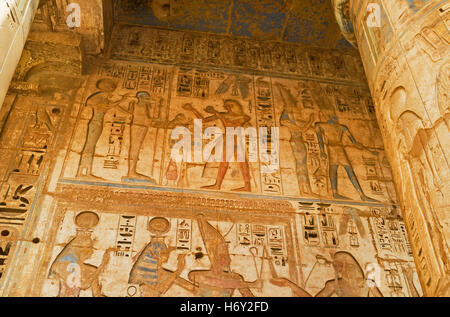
pixel 293 21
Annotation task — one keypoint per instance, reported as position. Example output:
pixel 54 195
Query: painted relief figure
pixel 233 117
pixel 97 105
pixel 332 134
pixel 293 119
pixel 145 114
pixel 176 174
pixel 69 267
pixel 349 281
pixel 148 271
pixel 219 281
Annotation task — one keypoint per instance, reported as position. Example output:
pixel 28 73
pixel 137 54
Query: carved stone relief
pixel 94 205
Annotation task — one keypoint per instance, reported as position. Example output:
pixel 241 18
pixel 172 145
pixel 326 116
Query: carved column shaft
pixel 15 22
pixel 404 46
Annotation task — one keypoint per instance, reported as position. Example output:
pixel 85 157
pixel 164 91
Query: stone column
pixel 15 21
pixel 404 46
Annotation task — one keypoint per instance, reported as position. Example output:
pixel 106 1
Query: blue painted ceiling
pixel 309 22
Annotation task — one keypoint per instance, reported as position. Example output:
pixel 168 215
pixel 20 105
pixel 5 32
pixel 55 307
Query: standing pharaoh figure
pixel 337 156
pixel 292 118
pixel 96 106
pixel 145 114
pixel 233 117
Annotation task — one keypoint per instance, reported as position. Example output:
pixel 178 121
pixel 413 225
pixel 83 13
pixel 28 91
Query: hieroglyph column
pixel 404 45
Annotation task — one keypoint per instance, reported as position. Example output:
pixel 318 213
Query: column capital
pixel 342 13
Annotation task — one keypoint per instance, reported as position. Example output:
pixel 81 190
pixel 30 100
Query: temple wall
pixel 94 205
